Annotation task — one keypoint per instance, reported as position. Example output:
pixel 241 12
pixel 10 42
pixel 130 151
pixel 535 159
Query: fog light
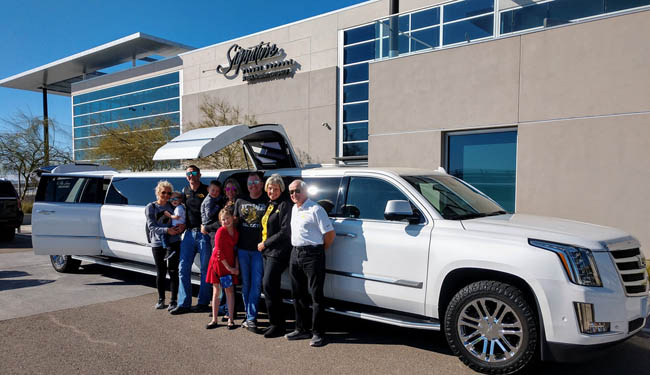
pixel 585 314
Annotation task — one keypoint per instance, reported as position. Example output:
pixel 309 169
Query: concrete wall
pixel 580 96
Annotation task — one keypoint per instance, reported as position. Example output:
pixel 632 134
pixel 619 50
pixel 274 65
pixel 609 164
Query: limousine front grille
pixel 630 264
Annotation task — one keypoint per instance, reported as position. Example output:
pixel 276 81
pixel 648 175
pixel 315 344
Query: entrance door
pixel 65 216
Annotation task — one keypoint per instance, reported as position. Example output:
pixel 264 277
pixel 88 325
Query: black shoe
pixel 318 339
pixel 212 325
pixel 274 331
pixel 161 304
pixel 297 335
pixel 172 305
pixel 180 310
pixel 201 308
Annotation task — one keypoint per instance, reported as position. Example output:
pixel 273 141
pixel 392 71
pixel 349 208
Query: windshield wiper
pixel 472 215
pixel 496 213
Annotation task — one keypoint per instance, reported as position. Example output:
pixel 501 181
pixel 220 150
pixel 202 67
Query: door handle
pixel 45 212
pixel 350 235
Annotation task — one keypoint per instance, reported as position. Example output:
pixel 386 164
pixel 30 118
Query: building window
pixel 487 160
pixel 559 12
pixel 133 104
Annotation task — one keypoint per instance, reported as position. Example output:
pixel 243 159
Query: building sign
pixel 263 61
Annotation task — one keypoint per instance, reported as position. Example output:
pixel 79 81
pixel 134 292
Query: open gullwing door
pixel 267 145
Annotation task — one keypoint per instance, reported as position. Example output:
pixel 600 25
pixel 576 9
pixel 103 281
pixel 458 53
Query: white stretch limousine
pixel 414 248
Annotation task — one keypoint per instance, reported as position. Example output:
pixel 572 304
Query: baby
pixel 178 217
pixel 210 207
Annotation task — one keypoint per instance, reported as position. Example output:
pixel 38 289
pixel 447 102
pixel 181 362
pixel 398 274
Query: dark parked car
pixel 11 215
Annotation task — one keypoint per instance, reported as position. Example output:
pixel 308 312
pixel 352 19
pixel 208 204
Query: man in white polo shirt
pixel 311 234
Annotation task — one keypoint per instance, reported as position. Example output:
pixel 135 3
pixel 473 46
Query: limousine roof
pixel 314 170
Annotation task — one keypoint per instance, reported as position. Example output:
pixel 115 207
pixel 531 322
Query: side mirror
pixel 400 210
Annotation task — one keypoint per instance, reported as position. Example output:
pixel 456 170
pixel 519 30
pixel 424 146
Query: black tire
pixel 467 327
pixel 64 263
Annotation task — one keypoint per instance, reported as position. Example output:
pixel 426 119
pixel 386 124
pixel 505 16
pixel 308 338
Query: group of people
pixel 242 238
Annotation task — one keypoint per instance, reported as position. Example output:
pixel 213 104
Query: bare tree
pixel 126 147
pixel 22 148
pixel 218 112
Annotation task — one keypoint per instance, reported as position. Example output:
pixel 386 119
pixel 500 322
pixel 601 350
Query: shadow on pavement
pixel 22 241
pixel 12 274
pixel 123 277
pixel 18 284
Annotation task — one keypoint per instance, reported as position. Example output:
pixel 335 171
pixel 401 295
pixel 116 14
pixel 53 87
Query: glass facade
pixel 134 104
pixel 559 12
pixel 487 160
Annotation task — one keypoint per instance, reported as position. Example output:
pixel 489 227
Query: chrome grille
pixel 630 264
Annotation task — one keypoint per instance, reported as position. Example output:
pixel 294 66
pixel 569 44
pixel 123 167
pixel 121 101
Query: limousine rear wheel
pixel 64 263
pixel 491 327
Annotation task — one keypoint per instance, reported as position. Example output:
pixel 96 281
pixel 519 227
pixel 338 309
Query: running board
pixel 390 318
pixel 147 269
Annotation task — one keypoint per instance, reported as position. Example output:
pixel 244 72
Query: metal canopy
pixel 58 76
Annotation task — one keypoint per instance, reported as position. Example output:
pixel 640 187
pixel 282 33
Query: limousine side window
pixel 367 198
pixel 139 191
pixel 68 189
pixel 324 191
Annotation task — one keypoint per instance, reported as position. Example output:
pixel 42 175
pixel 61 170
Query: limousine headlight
pixel 578 263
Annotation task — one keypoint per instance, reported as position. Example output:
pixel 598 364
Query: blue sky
pixel 35 33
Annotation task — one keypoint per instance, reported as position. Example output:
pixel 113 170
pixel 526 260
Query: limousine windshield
pixel 454 199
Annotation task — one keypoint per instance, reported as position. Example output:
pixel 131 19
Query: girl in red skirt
pixel 224 267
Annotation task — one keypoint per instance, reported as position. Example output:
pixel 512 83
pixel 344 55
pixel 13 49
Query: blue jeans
pixel 194 241
pixel 251 269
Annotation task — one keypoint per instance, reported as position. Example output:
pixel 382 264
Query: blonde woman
pixel 158 225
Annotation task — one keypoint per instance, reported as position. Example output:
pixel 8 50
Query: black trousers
pixel 307 271
pixel 167 267
pixel 273 268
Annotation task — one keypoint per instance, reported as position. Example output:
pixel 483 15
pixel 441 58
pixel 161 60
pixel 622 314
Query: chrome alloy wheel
pixel 58 260
pixel 490 330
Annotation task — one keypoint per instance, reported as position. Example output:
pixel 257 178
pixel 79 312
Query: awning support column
pixel 46 131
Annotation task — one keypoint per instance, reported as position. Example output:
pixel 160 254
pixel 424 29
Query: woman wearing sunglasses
pixel 231 188
pixel 159 225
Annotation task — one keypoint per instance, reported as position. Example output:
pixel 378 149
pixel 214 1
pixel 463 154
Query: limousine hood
pixel 267 146
pixel 552 229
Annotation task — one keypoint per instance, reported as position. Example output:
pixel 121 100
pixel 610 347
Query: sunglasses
pixel 297 191
pixel 193 173
pixel 165 193
pixel 254 182
pixel 174 199
pixel 231 189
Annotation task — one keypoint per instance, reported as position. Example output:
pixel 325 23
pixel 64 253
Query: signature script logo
pixel 238 56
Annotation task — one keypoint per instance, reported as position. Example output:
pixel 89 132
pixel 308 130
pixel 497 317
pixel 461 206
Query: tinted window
pixel 7 190
pixel 359 52
pixel 355 112
pixel 68 189
pixel 367 198
pixel 355 132
pixel 324 191
pixel 425 18
pixel 427 38
pixel 355 73
pixel 467 8
pixel 488 161
pixel 139 191
pixel 355 93
pixel 463 31
pixel 359 34
pixel 355 149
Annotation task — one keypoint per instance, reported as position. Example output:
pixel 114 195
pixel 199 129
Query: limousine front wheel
pixel 491 327
pixel 64 263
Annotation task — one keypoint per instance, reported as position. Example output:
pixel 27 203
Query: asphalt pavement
pixel 102 321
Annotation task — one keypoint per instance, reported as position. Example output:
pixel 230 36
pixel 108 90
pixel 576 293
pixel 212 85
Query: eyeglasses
pixel 297 191
pixel 253 182
pixel 231 189
pixel 165 193
pixel 192 173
